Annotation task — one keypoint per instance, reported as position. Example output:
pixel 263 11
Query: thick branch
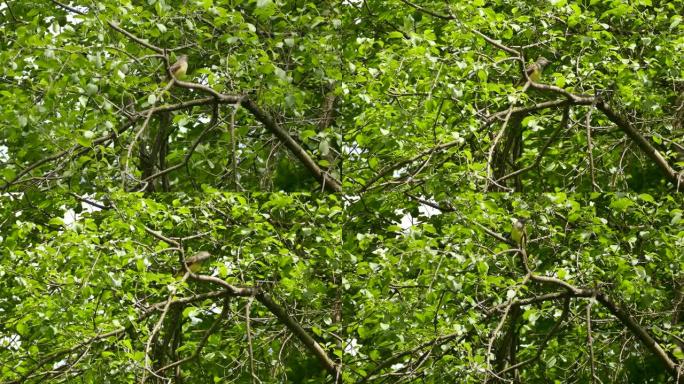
pixel 266 119
pixel 280 313
pixel 640 140
pixel 624 317
pixel 301 334
pixel 641 333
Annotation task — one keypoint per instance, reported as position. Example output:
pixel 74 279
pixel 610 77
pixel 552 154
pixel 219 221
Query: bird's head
pixel 543 61
pixel 518 222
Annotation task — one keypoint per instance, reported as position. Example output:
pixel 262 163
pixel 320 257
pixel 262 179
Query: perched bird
pixel 518 233
pixel 180 67
pixel 534 71
pixel 194 263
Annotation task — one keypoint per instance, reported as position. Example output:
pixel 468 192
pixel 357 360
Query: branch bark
pixel 298 331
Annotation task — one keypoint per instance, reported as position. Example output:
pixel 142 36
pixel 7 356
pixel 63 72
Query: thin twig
pixel 590 341
pixel 542 152
pixel 190 151
pixel 202 342
pixel 496 331
pixel 590 150
pixel 250 349
pixel 68 8
pixel 232 143
pixel 161 237
pixel 138 40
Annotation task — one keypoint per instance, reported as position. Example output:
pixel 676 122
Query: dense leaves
pixel 101 271
pixel 430 294
pixel 348 166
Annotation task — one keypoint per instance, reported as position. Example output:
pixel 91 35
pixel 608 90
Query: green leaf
pixel 23 329
pixel 91 89
pixel 282 75
pixel 84 140
pixel 621 204
pixel 482 268
pixel 324 147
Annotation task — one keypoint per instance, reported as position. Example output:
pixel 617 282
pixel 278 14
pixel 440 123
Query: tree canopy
pixel 352 169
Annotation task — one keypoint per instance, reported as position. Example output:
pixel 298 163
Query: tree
pixel 353 169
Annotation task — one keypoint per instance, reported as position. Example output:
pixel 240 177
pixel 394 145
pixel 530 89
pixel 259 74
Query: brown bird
pixel 194 263
pixel 534 71
pixel 179 68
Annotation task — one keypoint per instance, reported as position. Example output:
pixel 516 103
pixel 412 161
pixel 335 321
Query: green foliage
pixel 96 272
pixel 111 174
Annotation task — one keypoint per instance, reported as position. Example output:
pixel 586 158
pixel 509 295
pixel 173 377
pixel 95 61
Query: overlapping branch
pixel 569 98
pixel 327 181
pixel 226 290
pixel 569 291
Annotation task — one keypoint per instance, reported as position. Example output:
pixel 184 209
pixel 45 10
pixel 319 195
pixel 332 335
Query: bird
pixel 534 71
pixel 518 233
pixel 194 263
pixel 180 67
